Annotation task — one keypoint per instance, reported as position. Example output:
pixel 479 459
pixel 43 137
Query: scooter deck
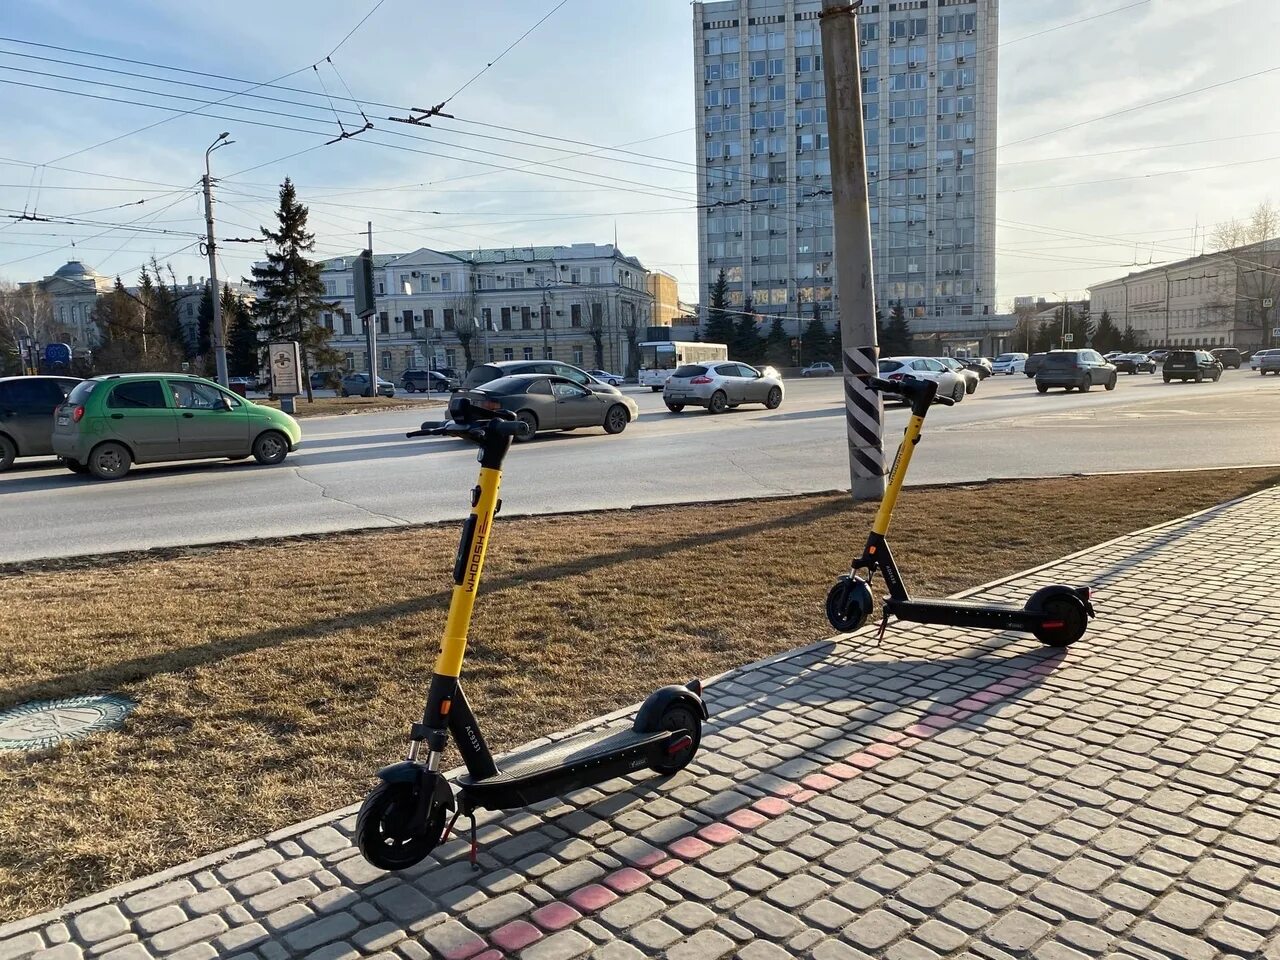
pixel 965 613
pixel 536 773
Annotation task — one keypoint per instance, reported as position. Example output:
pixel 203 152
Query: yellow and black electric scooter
pixel 1057 615
pixel 404 818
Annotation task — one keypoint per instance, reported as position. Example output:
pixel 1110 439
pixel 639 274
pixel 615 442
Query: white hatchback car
pixel 950 384
pixel 1009 363
pixel 720 385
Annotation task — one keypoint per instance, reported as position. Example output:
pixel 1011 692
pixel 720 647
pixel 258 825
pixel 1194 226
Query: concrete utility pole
pixel 862 407
pixel 370 326
pixel 219 343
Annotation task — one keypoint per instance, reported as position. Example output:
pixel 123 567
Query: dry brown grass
pixel 272 680
pixel 334 406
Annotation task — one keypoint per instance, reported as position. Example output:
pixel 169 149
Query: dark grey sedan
pixel 26 415
pixel 550 403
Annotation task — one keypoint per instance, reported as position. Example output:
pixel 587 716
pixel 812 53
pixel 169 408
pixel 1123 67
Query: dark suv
pixel 1197 365
pixel 1228 357
pixel 1075 370
pixel 26 415
pixel 422 381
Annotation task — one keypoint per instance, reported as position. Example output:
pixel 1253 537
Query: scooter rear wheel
pixel 1065 621
pixel 680 716
pixel 383 828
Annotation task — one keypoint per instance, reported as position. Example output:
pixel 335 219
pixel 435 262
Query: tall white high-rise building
pixel 929 100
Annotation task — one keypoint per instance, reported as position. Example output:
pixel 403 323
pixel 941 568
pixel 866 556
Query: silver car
pixel 720 385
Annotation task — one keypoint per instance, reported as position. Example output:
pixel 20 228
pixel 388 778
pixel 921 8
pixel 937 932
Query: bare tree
pixel 25 312
pixel 1261 225
pixel 597 308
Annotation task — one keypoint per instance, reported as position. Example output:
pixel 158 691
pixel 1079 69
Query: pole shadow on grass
pixel 113 676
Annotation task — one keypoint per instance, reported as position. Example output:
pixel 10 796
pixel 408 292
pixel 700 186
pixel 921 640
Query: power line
pixel 355 28
pixel 511 47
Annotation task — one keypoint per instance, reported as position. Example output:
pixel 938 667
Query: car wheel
pixel 957 392
pixel 675 407
pixel 1111 384
pixel 344 392
pixel 7 453
pixel 656 389
pixel 1086 385
pixel 527 416
pixel 971 386
pixel 1199 378
pixel 719 402
pixel 615 383
pixel 616 419
pixel 774 400
pixel 110 461
pixel 1217 375
pixel 1168 379
pixel 270 448
pixel 1042 387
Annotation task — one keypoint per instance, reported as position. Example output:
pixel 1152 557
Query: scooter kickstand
pixel 449 829
pixel 884 625
pixel 475 847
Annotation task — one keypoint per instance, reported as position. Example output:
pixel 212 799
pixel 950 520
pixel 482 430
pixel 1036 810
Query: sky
pixel 1087 186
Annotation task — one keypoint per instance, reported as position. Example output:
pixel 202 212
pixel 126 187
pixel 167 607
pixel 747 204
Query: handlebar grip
pixel 884 386
pixel 510 428
pixel 431 428
pixel 945 401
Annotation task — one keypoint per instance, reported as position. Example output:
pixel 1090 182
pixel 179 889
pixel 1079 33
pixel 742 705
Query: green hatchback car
pixel 109 423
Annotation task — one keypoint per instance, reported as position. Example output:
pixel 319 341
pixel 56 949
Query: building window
pixel 546 317
pixel 446 281
pixel 508 353
pixel 328 321
pixel 575 275
pixel 526 321
pixel 386 360
pixel 595 274
pixel 448 319
pixel 493 354
pixel 575 315
pixel 486 317
pixel 349 363
pixel 346 326
pixel 506 320
pixel 577 354
pixel 428 318
pixel 528 353
pixel 597 314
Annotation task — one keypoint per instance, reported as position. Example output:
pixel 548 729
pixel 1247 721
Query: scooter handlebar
pixel 503 424
pixel 911 390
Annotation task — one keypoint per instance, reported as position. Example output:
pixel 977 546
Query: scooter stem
pixel 898 474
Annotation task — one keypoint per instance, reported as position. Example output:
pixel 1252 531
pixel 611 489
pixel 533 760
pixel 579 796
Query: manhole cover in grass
pixel 42 723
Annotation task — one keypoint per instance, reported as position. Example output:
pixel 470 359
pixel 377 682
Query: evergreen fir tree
pixel 747 344
pixel 719 327
pixel 815 345
pixel 291 292
pixel 1107 337
pixel 897 333
pixel 244 356
pixel 204 326
pixel 777 345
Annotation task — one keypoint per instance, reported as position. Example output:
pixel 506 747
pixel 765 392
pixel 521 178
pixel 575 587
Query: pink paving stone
pixel 665 867
pixel 786 790
pixel 516 935
pixel 864 760
pixel 555 916
pixel 745 819
pixel 626 880
pixel 939 723
pixel 972 703
pixel 593 897
pixel 771 806
pixel 719 833
pixel 919 730
pixel 1024 674
pixel 1004 689
pixel 885 750
pixel 468 949
pixel 649 859
pixel 491 954
pixel 943 709
pixel 988 696
pixel 820 781
pixel 689 848
pixel 910 742
pixel 892 736
pixel 804 796
pixel 841 771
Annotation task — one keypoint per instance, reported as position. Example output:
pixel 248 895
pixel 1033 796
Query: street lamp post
pixel 219 345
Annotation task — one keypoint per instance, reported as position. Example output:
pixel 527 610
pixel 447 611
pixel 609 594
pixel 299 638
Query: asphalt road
pixel 360 471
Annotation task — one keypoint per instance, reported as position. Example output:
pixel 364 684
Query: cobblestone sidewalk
pixel 946 794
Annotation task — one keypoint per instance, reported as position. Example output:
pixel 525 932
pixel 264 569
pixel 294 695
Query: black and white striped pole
pixel 854 279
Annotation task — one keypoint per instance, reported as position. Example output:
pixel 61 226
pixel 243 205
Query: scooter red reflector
pixel 682 744
pixel 1053 624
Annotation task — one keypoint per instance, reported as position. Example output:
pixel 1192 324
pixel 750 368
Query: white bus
pixel 659 358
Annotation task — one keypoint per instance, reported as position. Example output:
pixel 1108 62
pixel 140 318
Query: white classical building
pixel 1223 299
pixel 512 303
pixel 929 102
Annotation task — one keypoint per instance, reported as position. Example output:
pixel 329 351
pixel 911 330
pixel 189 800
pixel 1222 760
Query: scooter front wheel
pixel 384 827
pixel 1065 621
pixel 849 603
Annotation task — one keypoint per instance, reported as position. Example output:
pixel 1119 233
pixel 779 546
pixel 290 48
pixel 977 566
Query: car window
pixel 727 369
pixel 31 395
pixel 138 395
pixel 568 391
pixel 919 365
pixel 541 387
pixel 483 374
pixel 188 395
pixel 689 370
pixel 571 373
pixel 81 393
pixel 1063 358
pixel 748 371
pixel 888 366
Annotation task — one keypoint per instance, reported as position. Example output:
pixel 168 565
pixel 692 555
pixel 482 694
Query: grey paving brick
pixel 332 927
pixel 185 934
pixel 100 923
pixel 156 897
pixel 875 930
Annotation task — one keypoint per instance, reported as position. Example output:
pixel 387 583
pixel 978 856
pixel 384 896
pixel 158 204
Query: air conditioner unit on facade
pixel 414 273
pixel 959 59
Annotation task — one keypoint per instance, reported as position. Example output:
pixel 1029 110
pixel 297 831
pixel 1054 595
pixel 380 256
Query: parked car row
pixel 105 425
